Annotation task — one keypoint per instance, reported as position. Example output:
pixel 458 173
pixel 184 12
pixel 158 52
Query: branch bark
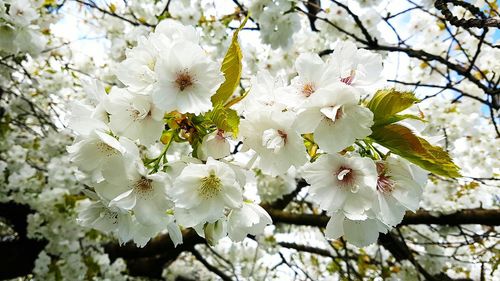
pixel 482 22
pixel 465 216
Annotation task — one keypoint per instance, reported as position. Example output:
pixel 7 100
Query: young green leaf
pixel 402 141
pixel 387 103
pixel 231 67
pixel 225 119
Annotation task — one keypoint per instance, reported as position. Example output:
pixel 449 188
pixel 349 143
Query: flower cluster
pixel 315 126
pixel 277 23
pixel 17 32
pixel 136 195
pixel 364 195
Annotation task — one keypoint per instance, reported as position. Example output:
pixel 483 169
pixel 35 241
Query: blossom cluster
pixel 18 33
pixel 315 126
pixel 363 194
pixel 137 195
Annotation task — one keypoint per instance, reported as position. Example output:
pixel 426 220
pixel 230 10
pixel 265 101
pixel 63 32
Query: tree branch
pixel 465 216
pixel 210 267
pixel 482 22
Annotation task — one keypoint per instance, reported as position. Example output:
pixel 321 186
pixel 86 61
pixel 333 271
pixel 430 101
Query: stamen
pixel 348 80
pixel 143 185
pixel 308 89
pixel 184 80
pixel 384 182
pixel 210 186
pixel 106 149
pixel 283 135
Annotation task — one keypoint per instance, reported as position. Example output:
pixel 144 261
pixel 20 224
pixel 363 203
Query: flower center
pixel 137 115
pixel 143 185
pixel 274 139
pixel 106 149
pixel 308 89
pixel 183 80
pixel 384 182
pixel 348 80
pixel 332 113
pixel 210 186
pixel 346 178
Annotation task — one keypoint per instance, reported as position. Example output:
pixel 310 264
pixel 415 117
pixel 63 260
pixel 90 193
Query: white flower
pixel 272 188
pixel 277 28
pixel 137 71
pixel 256 7
pixel 342 184
pixel 202 191
pixel 215 145
pixel 313 75
pixel 93 152
pixel 133 189
pixel 188 14
pixel 272 136
pixel 249 219
pixel 96 214
pixel 335 118
pixel 360 233
pixel 84 119
pixel 21 12
pixel 187 79
pixel 175 31
pixel 268 92
pixel 134 116
pixel 355 67
pixel 398 190
pixel 94 102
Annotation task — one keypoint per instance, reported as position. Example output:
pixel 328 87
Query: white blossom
pixel 202 192
pixel 343 184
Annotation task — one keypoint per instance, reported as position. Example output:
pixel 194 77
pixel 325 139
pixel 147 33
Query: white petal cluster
pixel 117 131
pixel 172 69
pixel 202 192
pixel 362 196
pixel 272 136
pixel 168 80
pixel 277 26
pixel 17 32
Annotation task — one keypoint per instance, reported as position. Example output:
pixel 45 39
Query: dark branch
pixel 210 267
pixel 466 216
pixel 482 22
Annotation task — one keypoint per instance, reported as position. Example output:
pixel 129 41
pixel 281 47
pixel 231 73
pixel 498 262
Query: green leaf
pixel 397 118
pixel 402 141
pixel 225 119
pixel 231 67
pixel 388 102
pixel 236 99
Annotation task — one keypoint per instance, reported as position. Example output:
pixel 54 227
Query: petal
pixel 148 213
pixel 307 121
pixel 335 227
pixel 125 201
pixel 361 233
